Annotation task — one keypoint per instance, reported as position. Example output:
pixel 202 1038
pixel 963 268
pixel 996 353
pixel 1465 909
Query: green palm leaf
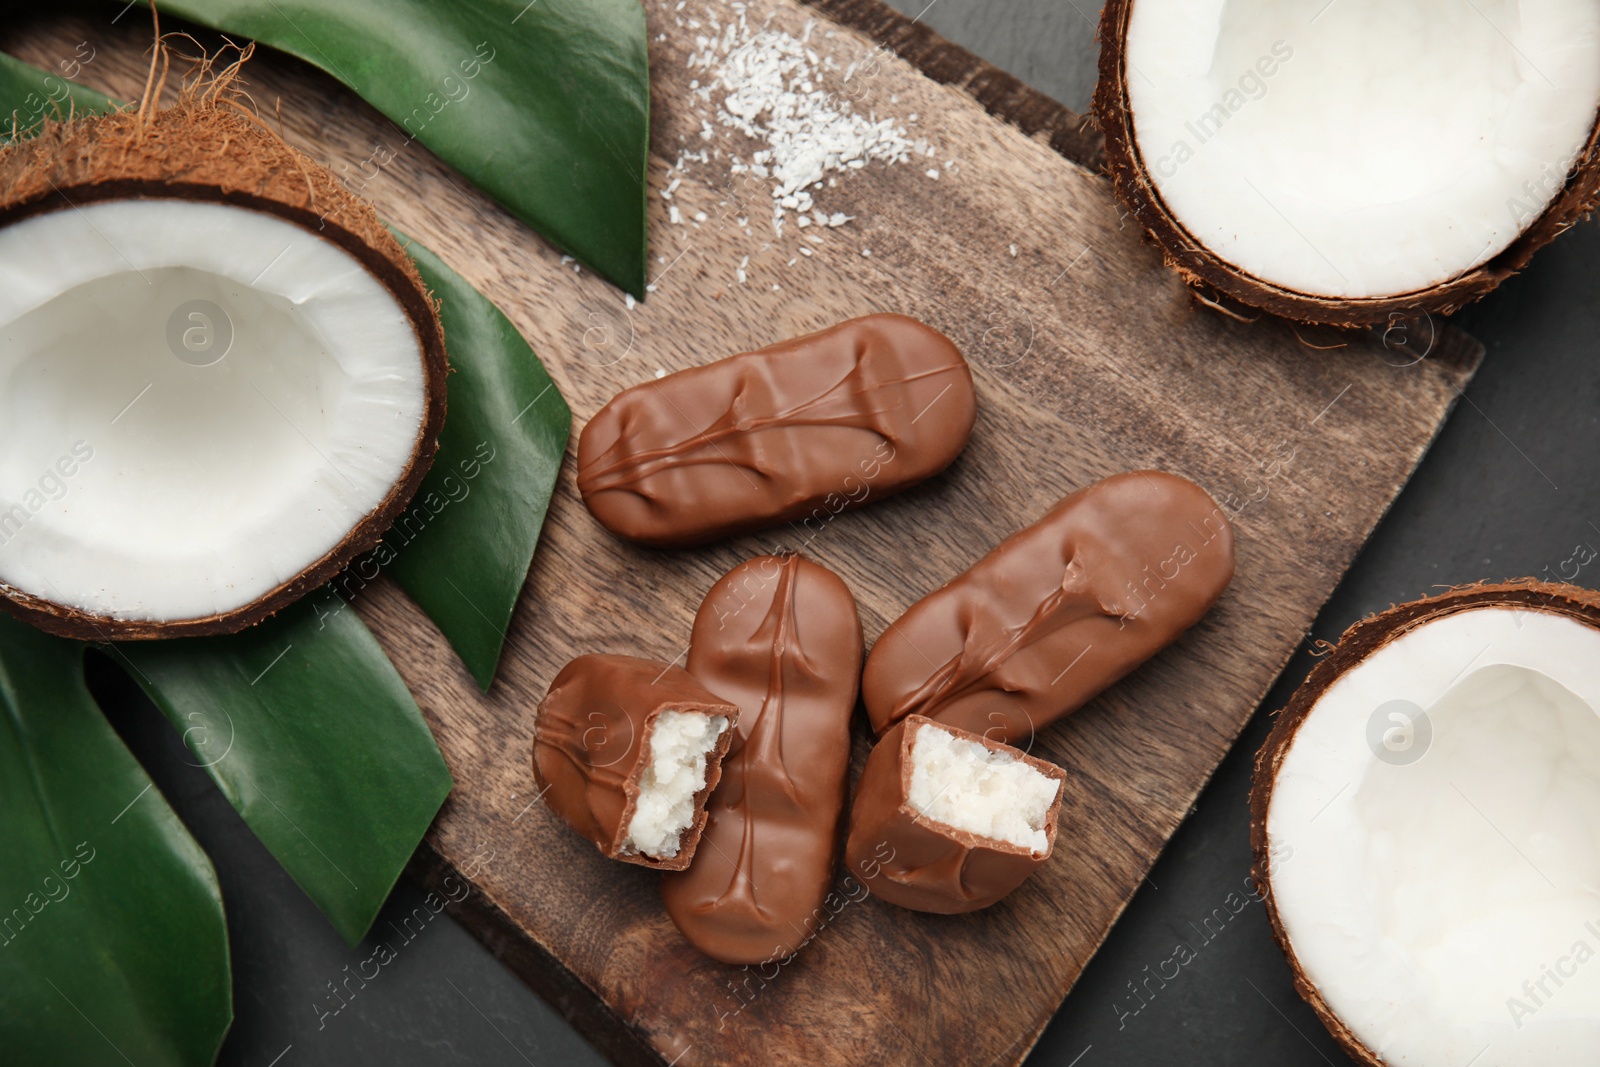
pixel 545 106
pixel 310 733
pixel 113 945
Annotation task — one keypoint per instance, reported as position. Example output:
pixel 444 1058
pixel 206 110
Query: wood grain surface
pixel 1090 358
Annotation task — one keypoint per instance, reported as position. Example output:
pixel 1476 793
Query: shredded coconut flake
pixel 767 84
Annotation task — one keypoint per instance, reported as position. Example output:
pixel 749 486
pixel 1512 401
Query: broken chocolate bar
pixel 948 821
pixel 627 750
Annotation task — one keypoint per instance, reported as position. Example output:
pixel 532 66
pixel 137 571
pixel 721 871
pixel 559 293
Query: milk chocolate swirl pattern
pixel 811 426
pixel 780 638
pixel 1056 612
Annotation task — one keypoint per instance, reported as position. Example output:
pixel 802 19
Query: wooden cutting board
pixel 1090 359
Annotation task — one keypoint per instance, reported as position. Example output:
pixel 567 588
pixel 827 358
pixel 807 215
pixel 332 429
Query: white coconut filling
pixel 1361 148
pixel 146 473
pixel 680 743
pixel 1447 906
pixel 971 787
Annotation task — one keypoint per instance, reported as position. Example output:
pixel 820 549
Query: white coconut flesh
pixel 144 472
pixel 1443 893
pixel 1360 148
pixel 681 743
pixel 971 787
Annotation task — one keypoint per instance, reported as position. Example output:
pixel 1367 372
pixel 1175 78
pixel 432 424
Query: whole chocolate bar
pixel 779 637
pixel 627 750
pixel 949 821
pixel 1056 612
pixel 799 431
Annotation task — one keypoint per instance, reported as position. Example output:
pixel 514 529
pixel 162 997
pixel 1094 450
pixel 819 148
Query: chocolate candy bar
pixel 807 427
pixel 1058 611
pixel 949 821
pixel 779 637
pixel 627 750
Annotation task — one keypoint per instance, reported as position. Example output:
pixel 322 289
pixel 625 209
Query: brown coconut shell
pixel 208 148
pixel 1357 643
pixel 1202 268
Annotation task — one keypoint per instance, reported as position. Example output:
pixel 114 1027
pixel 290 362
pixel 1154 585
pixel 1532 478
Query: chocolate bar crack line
pixel 911 858
pixel 1056 612
pixel 618 750
pixel 780 637
pixel 811 426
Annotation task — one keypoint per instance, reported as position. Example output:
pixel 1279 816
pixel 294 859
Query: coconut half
pixel 1342 161
pixel 1426 823
pixel 221 377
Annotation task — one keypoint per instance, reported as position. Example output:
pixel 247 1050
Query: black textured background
pixel 1508 490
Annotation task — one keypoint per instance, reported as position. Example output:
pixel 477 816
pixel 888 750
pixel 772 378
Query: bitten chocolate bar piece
pixel 808 427
pixel 1056 612
pixel 627 750
pixel 779 637
pixel 948 821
